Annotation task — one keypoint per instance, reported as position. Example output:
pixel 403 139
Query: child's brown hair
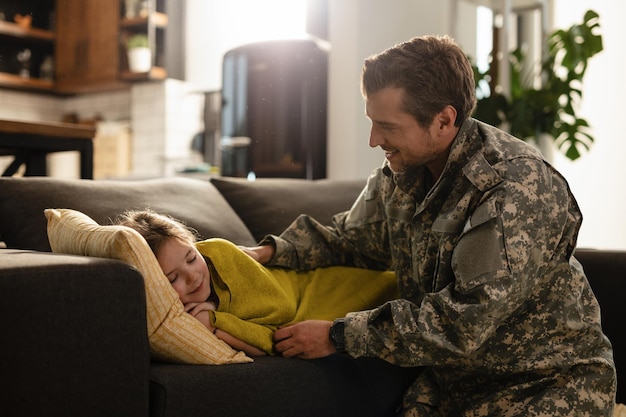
pixel 156 228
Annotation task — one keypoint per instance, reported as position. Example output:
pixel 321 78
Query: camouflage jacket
pixel 484 263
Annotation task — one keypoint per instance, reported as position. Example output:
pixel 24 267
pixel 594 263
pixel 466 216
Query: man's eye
pixel 173 279
pixel 192 260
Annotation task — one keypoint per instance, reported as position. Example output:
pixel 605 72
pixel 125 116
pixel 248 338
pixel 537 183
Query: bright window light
pixel 484 37
pixel 247 21
pixel 217 26
pixel 484 45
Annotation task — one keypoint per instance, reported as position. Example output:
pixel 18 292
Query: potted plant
pixel 528 112
pixel 139 53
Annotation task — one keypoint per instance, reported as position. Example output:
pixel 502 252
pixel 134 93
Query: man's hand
pixel 261 254
pixel 307 340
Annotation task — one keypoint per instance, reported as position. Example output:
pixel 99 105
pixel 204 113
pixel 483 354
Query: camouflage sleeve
pixel 357 237
pixel 504 260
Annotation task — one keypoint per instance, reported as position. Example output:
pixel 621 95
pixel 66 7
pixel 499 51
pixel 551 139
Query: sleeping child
pixel 243 302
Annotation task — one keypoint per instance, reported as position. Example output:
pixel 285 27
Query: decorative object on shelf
pixel 24 21
pixel 46 70
pixel 139 53
pixel 130 8
pixel 532 113
pixel 24 58
pixel 144 9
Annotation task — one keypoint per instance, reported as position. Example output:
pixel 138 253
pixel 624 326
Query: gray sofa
pixel 73 328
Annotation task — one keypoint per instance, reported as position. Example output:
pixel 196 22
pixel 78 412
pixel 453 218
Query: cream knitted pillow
pixel 174 335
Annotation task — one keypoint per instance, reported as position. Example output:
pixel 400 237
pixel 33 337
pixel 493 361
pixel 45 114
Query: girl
pixel 243 302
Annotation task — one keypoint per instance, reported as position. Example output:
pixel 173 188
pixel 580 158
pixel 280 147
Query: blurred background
pixel 271 88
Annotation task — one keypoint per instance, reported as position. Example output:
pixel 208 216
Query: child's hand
pixel 201 312
pixel 205 306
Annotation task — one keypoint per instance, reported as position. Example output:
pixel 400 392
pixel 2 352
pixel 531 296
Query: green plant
pixel 138 40
pixel 528 111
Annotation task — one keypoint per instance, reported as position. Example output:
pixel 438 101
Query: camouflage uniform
pixel 494 306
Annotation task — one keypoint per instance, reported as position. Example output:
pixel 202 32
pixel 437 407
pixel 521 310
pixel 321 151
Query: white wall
pixel 597 178
pixel 165 118
pixel 358 29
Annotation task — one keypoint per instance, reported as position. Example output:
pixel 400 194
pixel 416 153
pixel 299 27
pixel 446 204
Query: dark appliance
pixel 273 117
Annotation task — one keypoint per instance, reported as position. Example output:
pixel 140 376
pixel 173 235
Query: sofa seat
pixel 275 386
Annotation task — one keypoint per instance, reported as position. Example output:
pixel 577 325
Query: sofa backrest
pixel 195 202
pixel 269 205
pixel 231 208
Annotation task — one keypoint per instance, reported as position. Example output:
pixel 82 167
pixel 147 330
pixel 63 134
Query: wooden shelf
pixel 17 31
pixel 159 20
pixel 155 73
pixel 12 80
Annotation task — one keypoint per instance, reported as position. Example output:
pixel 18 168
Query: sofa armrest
pixel 74 336
pixel 606 272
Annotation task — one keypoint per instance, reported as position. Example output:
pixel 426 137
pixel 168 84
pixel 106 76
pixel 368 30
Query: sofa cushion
pixel 269 205
pixel 195 202
pixel 174 335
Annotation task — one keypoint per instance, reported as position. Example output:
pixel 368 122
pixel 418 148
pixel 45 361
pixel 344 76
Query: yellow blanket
pixel 255 300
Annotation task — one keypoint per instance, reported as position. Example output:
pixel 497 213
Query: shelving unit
pixel 15 38
pixel 86 39
pixel 17 31
pixel 12 80
pixel 152 22
pixel 158 19
pixel 155 73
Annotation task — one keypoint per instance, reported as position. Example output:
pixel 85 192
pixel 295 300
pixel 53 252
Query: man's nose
pixel 376 138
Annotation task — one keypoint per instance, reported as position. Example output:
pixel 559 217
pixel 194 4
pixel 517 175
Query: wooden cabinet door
pixel 87 50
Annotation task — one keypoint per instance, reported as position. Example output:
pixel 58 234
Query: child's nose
pixel 189 279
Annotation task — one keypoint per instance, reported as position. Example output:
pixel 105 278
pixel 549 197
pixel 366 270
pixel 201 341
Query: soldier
pixel 480 231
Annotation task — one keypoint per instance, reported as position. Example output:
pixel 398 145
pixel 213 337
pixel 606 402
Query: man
pixel 480 232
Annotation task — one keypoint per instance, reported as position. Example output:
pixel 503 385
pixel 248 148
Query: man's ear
pixel 445 119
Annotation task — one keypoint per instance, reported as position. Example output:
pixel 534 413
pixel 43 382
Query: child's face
pixel 186 269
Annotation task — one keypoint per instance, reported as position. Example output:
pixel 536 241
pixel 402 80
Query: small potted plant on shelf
pixel 139 53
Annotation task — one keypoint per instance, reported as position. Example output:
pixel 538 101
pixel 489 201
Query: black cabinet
pixel 275 94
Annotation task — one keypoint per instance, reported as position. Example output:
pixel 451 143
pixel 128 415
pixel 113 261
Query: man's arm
pixel 357 237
